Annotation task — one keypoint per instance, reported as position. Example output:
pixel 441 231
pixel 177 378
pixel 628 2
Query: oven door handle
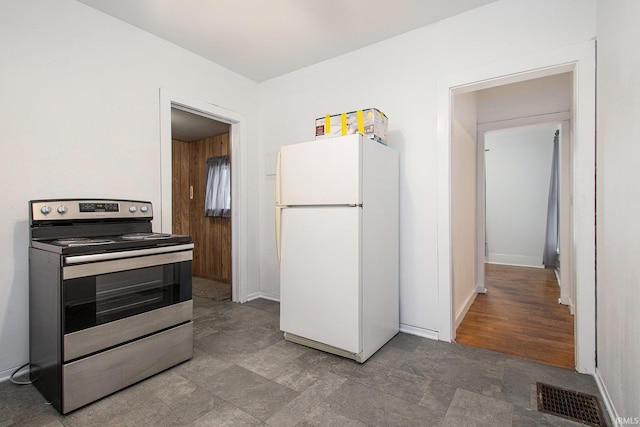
pixel 79 259
pixel 122 264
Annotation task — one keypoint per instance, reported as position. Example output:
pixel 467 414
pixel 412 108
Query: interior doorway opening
pixel 201 176
pixel 506 133
pixel 517 170
pixel 523 158
pixel 579 60
pixel 518 310
pixel 239 182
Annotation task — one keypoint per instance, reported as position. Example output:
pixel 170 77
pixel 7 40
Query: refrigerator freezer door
pixel 320 275
pixel 323 172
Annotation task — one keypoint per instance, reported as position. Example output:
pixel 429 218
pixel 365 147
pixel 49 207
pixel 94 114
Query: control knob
pixel 144 209
pixel 45 210
pixel 132 209
pixel 62 209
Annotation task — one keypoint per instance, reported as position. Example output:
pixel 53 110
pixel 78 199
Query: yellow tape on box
pixel 370 122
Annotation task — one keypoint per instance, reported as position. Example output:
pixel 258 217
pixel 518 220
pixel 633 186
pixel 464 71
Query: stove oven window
pixel 95 300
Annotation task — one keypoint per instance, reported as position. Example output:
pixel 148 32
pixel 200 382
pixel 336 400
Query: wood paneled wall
pixel 180 186
pixel 211 235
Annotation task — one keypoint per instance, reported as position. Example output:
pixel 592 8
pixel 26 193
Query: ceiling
pixel 262 39
pixel 190 127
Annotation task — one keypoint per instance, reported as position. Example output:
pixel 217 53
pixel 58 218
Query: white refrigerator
pixel 337 242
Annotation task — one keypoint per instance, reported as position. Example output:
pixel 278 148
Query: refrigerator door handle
pixel 278 179
pixel 278 225
pixel 278 207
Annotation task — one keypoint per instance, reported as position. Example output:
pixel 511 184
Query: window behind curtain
pixel 218 195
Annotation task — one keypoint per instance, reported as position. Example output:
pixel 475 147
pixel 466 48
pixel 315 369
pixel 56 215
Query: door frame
pixel 239 190
pixel 579 59
pixel 566 211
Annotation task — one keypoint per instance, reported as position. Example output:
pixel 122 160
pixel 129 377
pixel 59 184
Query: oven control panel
pixel 98 207
pixel 77 209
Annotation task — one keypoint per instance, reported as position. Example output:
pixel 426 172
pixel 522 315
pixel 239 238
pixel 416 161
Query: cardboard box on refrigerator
pixel 370 122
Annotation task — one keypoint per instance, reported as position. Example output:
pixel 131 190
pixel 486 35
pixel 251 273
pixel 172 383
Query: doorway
pixel 200 146
pixel 503 145
pixel 579 60
pixel 518 312
pixel 517 170
pixel 239 184
pixel 528 227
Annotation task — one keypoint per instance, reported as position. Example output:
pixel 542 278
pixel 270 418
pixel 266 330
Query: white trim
pixel 465 309
pixel 584 208
pixel 263 295
pixel 6 375
pixel 239 188
pixel 579 59
pixel 482 246
pixel 566 275
pixel 606 399
pixel 514 259
pixel 421 332
pixel 524 121
pixel 514 264
pixel 557 274
pixel 444 232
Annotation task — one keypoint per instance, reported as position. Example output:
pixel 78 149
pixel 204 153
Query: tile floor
pixel 210 289
pixel 243 373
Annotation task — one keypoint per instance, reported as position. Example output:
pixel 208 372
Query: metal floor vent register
pixel 572 405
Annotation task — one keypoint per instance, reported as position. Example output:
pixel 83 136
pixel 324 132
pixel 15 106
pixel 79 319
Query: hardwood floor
pixel 520 316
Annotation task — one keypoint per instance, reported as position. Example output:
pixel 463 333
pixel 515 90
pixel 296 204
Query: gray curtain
pixel 218 195
pixel 550 255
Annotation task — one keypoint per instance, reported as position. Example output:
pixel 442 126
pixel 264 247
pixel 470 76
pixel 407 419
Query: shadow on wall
pixel 14 306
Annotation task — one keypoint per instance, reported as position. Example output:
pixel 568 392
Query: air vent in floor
pixel 572 405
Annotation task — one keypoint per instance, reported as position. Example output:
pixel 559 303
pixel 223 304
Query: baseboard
pixel 606 399
pixel 5 375
pixel 516 261
pixel 465 308
pixel 421 332
pixel 564 300
pixel 259 294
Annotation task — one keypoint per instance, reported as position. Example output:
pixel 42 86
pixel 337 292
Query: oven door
pixel 108 287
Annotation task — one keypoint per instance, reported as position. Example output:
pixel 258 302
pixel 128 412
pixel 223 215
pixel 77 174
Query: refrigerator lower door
pixel 320 275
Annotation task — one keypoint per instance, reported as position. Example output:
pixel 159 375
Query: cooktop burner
pixel 80 241
pixel 87 245
pixel 145 236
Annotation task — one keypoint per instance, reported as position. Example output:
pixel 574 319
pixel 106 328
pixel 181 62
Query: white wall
pixel 79 101
pixel 618 204
pixel 400 76
pixel 530 98
pixel 518 170
pixel 463 202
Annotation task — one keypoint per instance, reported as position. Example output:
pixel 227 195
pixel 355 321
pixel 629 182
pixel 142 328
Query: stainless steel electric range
pixel 109 300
